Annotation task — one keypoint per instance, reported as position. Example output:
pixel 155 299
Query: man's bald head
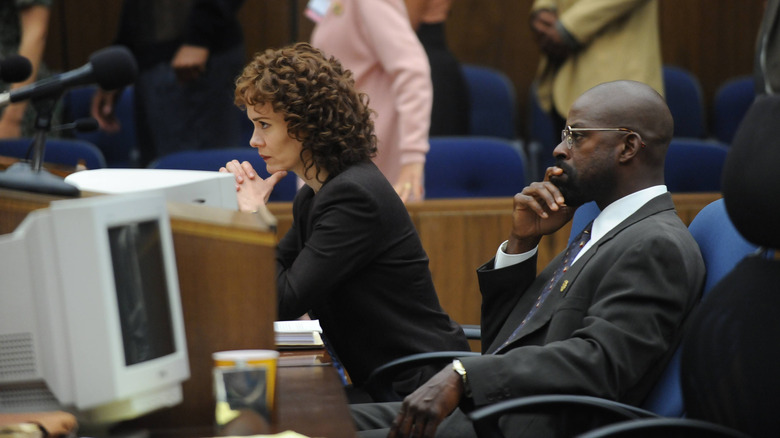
pixel 633 105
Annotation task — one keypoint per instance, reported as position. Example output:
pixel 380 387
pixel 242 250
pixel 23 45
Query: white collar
pixel 618 211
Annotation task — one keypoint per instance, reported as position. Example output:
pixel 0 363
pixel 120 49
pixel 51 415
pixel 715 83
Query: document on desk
pixel 298 333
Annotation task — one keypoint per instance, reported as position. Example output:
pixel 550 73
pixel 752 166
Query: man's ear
pixel 631 146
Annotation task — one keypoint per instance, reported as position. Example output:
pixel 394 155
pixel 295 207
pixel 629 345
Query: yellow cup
pixel 244 379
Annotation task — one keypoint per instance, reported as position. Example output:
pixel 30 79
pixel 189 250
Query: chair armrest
pixel 380 383
pixel 574 413
pixel 472 331
pixel 664 427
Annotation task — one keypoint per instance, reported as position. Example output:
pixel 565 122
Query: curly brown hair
pixel 321 106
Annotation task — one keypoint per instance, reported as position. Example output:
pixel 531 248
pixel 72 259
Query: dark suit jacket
pixel 602 334
pixel 354 260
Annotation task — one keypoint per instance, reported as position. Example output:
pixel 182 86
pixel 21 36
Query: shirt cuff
pixel 503 259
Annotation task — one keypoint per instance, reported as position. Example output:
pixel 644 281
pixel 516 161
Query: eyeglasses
pixel 567 134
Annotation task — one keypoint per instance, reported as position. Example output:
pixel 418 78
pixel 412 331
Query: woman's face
pixel 273 144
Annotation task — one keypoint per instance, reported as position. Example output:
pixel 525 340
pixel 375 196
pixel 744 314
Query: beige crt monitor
pixel 187 186
pixel 91 319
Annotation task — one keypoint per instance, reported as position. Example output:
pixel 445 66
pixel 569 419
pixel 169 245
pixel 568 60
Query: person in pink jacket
pixel 375 40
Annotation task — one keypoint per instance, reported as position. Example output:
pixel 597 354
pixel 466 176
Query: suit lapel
pixel 567 281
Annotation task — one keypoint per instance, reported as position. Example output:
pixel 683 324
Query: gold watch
pixel 457 366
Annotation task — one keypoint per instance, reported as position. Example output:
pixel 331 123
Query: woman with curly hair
pixel 352 258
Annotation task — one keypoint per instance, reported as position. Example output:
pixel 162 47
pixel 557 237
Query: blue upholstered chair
pixel 119 148
pixel 465 167
pixel 729 359
pixel 492 98
pixel 694 165
pixel 57 151
pixel 213 159
pixel 542 137
pixel 684 97
pixel 722 247
pixel 731 103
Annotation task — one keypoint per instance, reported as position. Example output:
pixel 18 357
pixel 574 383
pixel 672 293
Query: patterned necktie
pixel 568 258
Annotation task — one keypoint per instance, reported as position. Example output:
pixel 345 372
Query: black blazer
pixel 607 331
pixel 354 260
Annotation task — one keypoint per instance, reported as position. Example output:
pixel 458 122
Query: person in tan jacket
pixel 585 43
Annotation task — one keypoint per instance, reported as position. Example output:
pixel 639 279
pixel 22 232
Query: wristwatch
pixel 458 368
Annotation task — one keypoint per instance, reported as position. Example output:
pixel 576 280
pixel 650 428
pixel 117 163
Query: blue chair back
pixel 731 103
pixel 694 165
pixel 722 247
pixel 58 151
pixel 684 97
pixel 463 167
pixel 541 135
pixel 492 99
pixel 119 148
pixel 213 159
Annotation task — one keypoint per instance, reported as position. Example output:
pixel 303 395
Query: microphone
pixel 85 124
pixel 112 67
pixel 15 68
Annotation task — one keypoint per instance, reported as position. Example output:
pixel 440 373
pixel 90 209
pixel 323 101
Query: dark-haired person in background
pixel 188 53
pixel 450 111
pixel 352 258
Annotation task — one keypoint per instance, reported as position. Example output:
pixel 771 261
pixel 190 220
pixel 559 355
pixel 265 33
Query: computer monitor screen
pixel 92 293
pixel 141 291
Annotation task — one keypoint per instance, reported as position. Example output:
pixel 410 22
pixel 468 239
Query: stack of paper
pixel 298 333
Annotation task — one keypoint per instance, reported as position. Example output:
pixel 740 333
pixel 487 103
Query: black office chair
pixel 663 428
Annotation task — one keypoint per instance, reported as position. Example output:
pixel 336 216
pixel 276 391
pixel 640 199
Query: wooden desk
pixel 310 400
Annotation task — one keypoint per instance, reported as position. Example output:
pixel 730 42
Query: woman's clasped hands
pixel 252 190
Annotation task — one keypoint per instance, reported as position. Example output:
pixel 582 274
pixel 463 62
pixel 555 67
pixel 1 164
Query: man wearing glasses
pixel 604 316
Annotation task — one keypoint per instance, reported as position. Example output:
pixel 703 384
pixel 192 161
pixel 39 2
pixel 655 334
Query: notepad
pixel 298 334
